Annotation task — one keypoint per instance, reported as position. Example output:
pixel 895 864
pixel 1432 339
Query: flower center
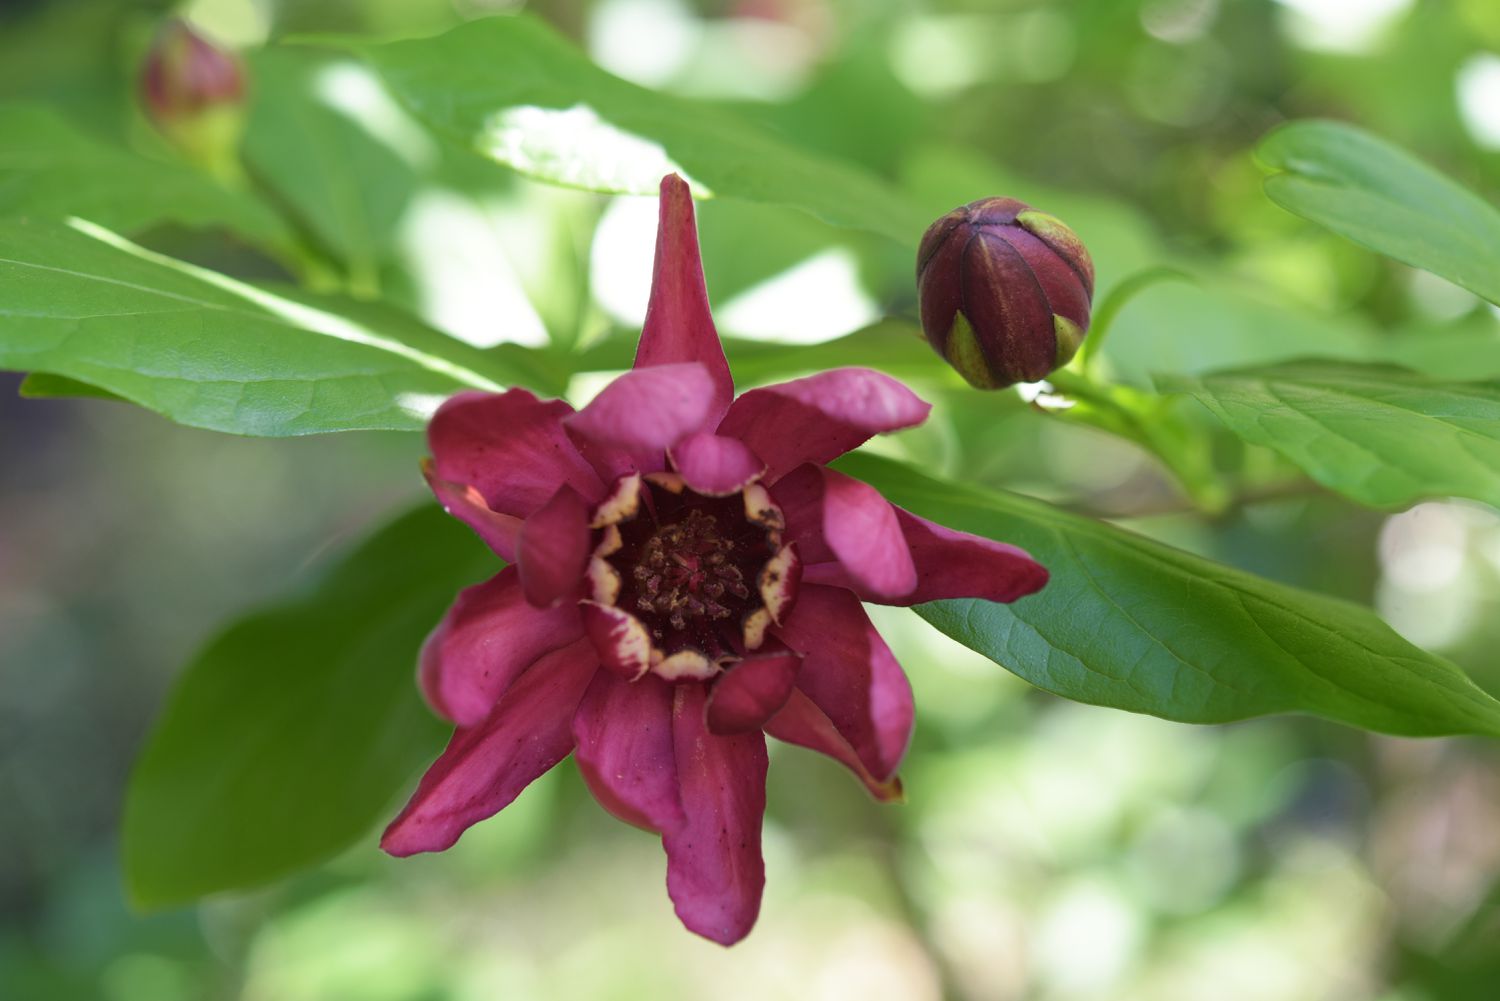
pixel 689 566
pixel 685 572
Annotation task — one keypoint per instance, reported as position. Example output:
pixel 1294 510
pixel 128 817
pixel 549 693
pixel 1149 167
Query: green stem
pixel 1111 305
pixel 364 278
pixel 1148 420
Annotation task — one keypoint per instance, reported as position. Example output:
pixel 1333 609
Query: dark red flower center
pixel 689 566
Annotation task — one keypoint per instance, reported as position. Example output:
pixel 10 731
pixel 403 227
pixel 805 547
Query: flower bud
pixel 193 91
pixel 1004 291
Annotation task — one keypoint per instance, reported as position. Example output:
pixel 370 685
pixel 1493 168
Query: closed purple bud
pixel 184 74
pixel 1004 291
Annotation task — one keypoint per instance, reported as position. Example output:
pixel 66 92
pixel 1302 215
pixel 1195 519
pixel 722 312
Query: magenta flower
pixel 686 577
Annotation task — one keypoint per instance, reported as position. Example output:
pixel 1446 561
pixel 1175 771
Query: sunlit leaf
pixel 50 170
pixel 1134 624
pixel 335 148
pixel 1382 435
pixel 208 351
pixel 521 94
pixel 287 737
pixel 1366 189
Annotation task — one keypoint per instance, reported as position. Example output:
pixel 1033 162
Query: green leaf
pixel 1371 192
pixel 50 170
pixel 44 385
pixel 1217 323
pixel 211 352
pixel 523 95
pixel 1466 350
pixel 1137 625
pixel 891 345
pixel 1382 435
pixel 1119 296
pixel 287 737
pixel 337 150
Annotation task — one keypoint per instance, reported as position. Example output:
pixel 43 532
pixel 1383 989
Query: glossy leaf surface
pixel 1134 624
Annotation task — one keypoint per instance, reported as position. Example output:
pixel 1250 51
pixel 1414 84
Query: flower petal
pixel 715 873
pixel 685 663
pixel 554 549
pixel 802 723
pixel 610 462
pixel 836 517
pixel 619 638
pixel 950 564
pixel 851 675
pixel 991 262
pixel 714 465
pixel 819 418
pixel 620 504
pixel 1063 286
pixel 751 692
pixel 624 735
pixel 779 581
pixel 647 410
pixel 499 531
pixel 511 447
pixel 487 766
pixel 679 326
pixel 489 636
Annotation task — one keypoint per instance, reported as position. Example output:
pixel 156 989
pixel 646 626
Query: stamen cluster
pixel 684 570
pixel 700 577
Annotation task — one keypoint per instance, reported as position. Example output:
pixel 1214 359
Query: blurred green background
pixel 1048 850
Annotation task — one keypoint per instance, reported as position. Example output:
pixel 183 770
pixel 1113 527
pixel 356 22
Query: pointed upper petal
pixel 714 465
pixel 648 410
pixel 554 548
pixel 833 517
pixel 851 675
pixel 802 723
pixel 623 733
pixel 819 418
pixel 715 873
pixel 679 326
pixel 751 692
pixel 489 636
pixel 499 531
pixel 487 766
pixel 510 447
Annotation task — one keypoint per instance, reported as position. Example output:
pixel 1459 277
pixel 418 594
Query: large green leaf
pixel 45 385
pixel 1382 435
pixel 1363 188
pixel 336 150
pixel 523 95
pixel 50 170
pixel 287 737
pixel 1135 624
pixel 211 352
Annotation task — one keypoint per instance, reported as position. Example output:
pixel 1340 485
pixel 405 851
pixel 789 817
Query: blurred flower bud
pixel 194 92
pixel 1004 291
